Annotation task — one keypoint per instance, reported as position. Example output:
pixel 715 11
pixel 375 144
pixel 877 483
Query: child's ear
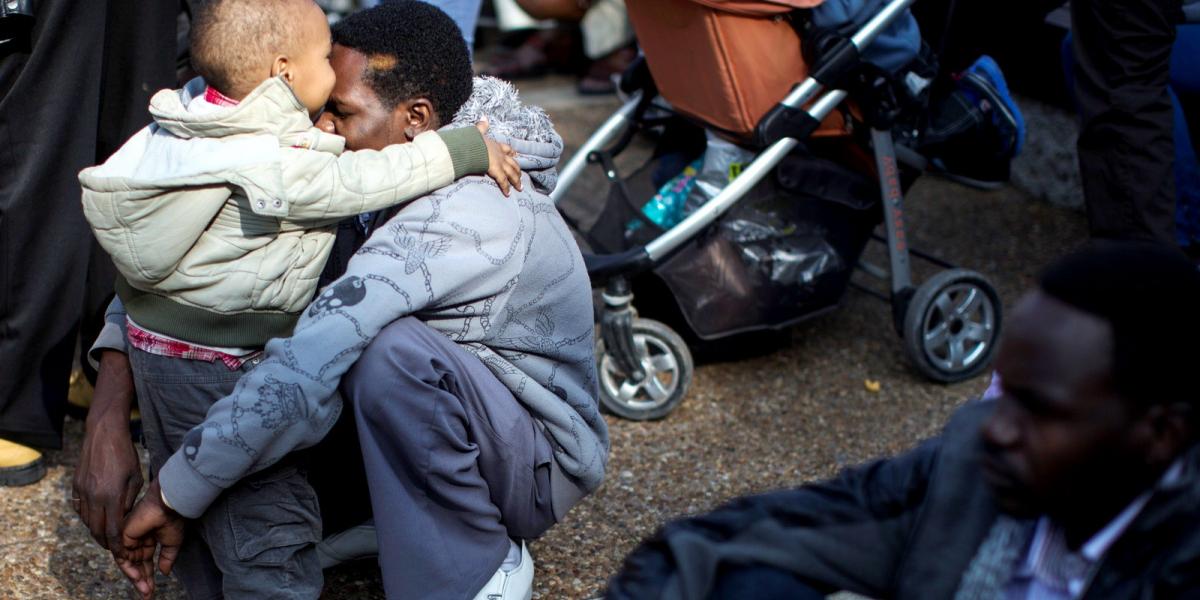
pixel 280 66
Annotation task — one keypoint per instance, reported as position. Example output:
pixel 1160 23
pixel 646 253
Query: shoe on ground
pixel 79 395
pixel 979 172
pixel 541 53
pixel 602 75
pixel 356 543
pixel 985 83
pixel 516 583
pixel 977 130
pixel 20 465
pixel 79 402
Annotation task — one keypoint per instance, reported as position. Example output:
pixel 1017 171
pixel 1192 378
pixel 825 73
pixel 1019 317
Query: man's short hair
pixel 232 40
pixel 414 50
pixel 1149 294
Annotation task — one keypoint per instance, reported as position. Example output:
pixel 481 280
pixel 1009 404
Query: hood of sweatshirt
pixel 527 129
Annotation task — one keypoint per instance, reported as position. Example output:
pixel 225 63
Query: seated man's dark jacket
pixel 905 527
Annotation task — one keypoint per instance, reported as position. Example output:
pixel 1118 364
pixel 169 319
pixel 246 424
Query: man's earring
pixel 410 133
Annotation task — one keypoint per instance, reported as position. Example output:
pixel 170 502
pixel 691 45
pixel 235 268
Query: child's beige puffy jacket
pixel 220 223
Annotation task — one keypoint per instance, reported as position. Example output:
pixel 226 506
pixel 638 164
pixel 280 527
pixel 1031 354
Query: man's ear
pixel 416 116
pixel 1171 431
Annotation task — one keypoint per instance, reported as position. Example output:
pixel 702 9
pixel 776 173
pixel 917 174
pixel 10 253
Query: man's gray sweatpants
pixel 455 464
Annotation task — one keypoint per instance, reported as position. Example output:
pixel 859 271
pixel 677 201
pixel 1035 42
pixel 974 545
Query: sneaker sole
pixel 23 475
pixel 937 168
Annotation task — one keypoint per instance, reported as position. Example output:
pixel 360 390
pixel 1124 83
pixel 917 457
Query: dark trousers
pixel 69 95
pixel 1122 54
pixel 455 464
pixel 258 539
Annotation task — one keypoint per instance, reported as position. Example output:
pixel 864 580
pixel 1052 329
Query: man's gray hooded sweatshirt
pixel 500 276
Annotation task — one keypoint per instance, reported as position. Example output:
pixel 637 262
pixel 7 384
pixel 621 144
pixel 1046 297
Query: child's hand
pixel 137 564
pixel 150 526
pixel 502 164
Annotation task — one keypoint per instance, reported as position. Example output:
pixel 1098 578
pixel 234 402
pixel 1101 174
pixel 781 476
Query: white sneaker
pixel 352 544
pixel 514 584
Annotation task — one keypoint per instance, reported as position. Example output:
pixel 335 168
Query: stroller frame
pixel 629 343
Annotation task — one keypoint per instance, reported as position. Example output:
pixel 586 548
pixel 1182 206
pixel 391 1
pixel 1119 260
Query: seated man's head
pixel 238 44
pixel 402 69
pixel 1098 397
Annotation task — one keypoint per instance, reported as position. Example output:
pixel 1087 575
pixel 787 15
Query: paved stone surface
pixel 789 415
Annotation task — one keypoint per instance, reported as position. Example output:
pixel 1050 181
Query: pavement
pixel 792 412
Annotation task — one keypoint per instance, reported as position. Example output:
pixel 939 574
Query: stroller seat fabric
pixel 724 67
pixel 726 63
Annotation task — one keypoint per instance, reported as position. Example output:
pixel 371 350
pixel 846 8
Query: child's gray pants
pixel 258 539
pixel 455 464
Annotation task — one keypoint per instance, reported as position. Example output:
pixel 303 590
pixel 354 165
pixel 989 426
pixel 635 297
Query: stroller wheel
pixel 668 365
pixel 951 325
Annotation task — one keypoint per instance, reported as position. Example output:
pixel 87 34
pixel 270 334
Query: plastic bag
pixel 784 253
pixel 723 162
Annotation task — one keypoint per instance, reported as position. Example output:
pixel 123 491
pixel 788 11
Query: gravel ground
pixel 799 412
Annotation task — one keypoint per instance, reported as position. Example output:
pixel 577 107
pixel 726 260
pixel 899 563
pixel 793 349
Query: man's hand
pixel 149 525
pixel 502 163
pixel 109 475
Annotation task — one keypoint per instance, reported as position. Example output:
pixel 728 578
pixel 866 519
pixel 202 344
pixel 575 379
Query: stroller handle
pixel 870 30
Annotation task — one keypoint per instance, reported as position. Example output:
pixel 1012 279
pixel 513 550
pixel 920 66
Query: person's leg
pixel 263 533
pixel 1185 85
pixel 465 14
pixel 165 420
pixel 608 43
pixel 456 466
pixel 1187 182
pixel 1122 52
pixel 46 137
pixel 258 539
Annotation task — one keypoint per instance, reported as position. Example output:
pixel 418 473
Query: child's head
pixel 238 44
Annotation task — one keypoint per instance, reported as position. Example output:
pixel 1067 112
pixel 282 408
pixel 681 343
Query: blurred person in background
pixel 605 46
pixel 75 80
pixel 1184 91
pixel 1122 59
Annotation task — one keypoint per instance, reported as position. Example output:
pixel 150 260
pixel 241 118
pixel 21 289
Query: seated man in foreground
pixel 461 335
pixel 1080 479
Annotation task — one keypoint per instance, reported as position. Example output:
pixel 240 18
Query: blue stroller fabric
pixel 895 47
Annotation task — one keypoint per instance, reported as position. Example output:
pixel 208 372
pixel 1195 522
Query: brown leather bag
pixel 724 62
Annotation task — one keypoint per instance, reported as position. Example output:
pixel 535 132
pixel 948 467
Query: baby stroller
pixel 778 244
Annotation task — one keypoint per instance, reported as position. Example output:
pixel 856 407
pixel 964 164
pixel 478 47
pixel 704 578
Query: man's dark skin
pixel 1062 441
pixel 355 112
pixel 109 475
